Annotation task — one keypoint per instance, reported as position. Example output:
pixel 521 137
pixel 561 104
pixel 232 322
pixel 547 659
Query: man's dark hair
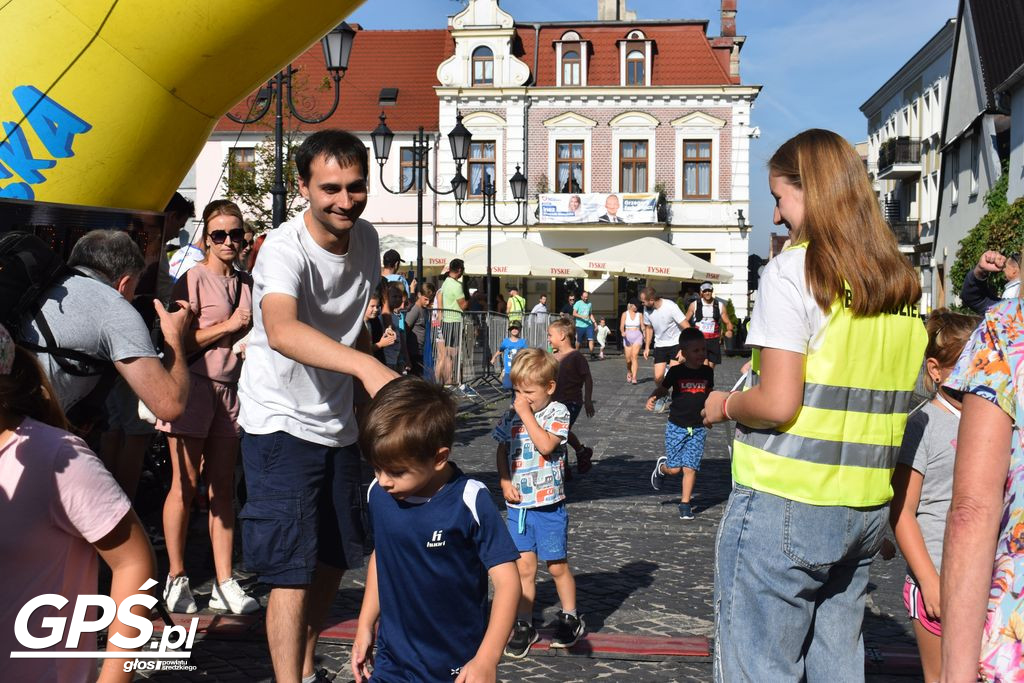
pixel 181 205
pixel 340 145
pixel 112 254
pixel 690 335
pixel 407 421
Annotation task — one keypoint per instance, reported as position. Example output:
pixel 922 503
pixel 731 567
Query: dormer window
pixel 571 53
pixel 635 59
pixel 483 66
pixel 635 63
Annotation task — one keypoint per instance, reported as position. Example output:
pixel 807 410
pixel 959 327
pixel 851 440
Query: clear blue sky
pixel 818 60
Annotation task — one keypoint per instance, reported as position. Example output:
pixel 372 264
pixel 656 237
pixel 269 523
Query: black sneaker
pixel 524 635
pixel 568 631
pixel 685 511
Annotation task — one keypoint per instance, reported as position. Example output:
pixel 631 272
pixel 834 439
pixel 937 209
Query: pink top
pixel 56 500
pixel 211 298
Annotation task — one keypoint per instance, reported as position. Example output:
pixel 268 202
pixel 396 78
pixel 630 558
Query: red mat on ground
pixel 593 644
pixel 891 659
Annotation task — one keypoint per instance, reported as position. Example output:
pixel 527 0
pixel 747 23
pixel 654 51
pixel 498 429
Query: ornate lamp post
pixel 337 46
pixel 459 138
pixel 488 193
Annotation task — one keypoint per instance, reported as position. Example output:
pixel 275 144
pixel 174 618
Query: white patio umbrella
pixel 523 258
pixel 435 259
pixel 652 258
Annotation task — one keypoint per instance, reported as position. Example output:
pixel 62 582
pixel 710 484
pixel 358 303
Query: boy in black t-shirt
pixel 691 382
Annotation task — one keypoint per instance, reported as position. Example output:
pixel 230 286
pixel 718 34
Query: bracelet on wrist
pixel 725 406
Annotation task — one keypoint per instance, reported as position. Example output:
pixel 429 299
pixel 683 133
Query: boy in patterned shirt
pixel 531 444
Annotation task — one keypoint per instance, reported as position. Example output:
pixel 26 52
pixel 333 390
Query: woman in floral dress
pixel 986 517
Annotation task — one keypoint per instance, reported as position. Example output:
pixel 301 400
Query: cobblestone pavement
pixel 639 569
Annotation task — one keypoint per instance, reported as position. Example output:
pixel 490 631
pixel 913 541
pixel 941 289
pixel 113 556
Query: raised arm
pixel 162 386
pixel 293 338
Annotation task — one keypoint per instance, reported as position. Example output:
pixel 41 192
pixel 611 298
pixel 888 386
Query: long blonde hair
pixel 848 241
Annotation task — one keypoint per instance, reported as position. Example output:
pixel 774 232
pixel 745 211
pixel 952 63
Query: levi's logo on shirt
pixel 690 386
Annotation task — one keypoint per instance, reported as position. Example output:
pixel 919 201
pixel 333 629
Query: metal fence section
pixel 460 345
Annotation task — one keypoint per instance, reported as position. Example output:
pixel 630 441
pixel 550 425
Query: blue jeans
pixel 790 582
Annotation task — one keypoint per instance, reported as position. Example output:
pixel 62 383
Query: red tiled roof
pixel 681 53
pixel 406 60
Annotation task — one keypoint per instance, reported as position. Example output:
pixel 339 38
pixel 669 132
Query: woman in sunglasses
pixel 205 437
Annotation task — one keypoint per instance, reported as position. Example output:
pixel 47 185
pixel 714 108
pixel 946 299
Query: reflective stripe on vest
pixel 842 445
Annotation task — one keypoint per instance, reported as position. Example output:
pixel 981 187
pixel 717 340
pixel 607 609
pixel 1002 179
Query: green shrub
pixel 1000 229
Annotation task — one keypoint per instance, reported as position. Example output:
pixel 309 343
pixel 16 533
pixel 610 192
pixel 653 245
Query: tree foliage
pixel 1000 229
pixel 249 185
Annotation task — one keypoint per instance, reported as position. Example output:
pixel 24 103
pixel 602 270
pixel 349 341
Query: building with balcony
pixel 904 129
pixel 976 125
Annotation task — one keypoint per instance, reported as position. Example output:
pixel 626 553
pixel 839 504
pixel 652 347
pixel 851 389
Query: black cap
pixel 391 258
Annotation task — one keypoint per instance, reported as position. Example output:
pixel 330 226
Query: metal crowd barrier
pixel 460 344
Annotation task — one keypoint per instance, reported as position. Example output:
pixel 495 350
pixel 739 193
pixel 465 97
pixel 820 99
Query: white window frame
pixel 954 172
pixel 565 127
pixel 635 36
pixel 574 42
pixel 633 125
pixel 699 126
pixel 484 125
pixel 975 162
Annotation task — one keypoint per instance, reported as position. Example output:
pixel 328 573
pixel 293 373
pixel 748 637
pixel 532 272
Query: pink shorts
pixel 914 602
pixel 212 410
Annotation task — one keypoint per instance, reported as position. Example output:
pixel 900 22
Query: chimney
pixel 728 18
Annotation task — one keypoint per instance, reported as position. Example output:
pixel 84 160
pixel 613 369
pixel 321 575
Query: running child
pixel 575 389
pixel 531 440
pixel 923 483
pixel 510 346
pixel 438 538
pixel 601 332
pixel 690 382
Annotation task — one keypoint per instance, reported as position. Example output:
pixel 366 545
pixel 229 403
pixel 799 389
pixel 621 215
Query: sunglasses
pixel 218 236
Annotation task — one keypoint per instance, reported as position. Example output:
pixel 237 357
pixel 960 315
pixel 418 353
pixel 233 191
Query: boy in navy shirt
pixel 530 458
pixel 510 346
pixel 438 538
pixel 690 382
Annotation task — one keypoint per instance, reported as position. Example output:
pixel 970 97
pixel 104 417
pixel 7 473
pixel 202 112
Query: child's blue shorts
pixel 545 530
pixel 684 446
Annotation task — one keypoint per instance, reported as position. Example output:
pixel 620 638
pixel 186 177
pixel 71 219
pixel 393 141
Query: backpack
pixel 28 269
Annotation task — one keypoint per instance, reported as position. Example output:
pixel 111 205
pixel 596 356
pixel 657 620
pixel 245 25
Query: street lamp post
pixel 422 143
pixel 488 193
pixel 337 46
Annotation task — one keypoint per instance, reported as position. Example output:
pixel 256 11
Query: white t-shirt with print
pixel 786 316
pixel 665 320
pixel 332 292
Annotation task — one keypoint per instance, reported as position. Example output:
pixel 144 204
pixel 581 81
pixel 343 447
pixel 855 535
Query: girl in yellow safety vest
pixel 837 351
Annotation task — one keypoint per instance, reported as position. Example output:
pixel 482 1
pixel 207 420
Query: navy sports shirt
pixel 432 563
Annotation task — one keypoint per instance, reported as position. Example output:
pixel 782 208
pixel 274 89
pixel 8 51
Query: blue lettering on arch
pixel 17 191
pixel 55 125
pixel 15 153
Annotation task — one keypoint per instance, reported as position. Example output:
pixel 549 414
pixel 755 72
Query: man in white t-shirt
pixel 313 280
pixel 662 322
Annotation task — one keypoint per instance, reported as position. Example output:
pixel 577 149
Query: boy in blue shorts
pixel 531 442
pixel 438 538
pixel 510 346
pixel 691 382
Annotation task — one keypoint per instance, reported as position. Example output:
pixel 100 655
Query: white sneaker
pixel 657 476
pixel 178 595
pixel 230 597
pixel 661 404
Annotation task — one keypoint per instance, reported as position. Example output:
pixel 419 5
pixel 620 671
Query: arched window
pixel 635 68
pixel 483 66
pixel 571 67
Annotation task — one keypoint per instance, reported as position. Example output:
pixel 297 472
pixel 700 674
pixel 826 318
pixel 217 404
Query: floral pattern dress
pixel 992 367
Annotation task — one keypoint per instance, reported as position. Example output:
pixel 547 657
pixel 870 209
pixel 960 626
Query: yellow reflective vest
pixel 842 445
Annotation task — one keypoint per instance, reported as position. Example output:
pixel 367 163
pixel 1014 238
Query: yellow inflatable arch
pixel 108 102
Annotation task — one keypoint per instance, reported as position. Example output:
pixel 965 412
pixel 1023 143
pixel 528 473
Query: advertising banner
pixel 599 208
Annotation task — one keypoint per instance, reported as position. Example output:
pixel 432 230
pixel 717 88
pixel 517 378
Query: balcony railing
pixel 899 158
pixel 906 231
